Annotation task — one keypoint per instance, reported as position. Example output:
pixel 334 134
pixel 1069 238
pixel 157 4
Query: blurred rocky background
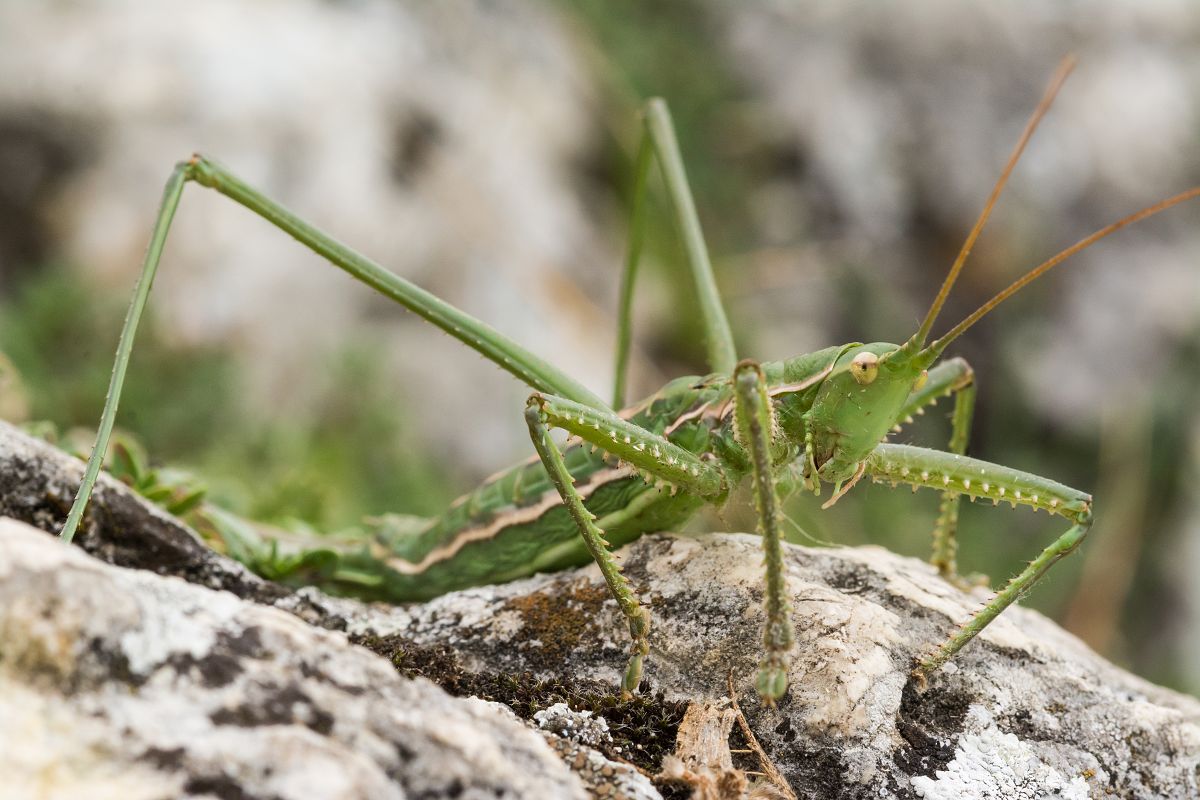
pixel 839 153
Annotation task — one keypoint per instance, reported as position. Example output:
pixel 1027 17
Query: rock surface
pixel 1025 711
pixel 38 482
pixel 121 683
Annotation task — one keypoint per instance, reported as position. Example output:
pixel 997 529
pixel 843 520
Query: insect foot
pixel 754 419
pixel 772 680
pixel 639 629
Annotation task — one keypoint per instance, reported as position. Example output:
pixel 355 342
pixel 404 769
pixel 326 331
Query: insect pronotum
pixel 819 418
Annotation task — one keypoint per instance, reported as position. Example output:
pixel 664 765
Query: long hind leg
pixel 504 352
pixel 659 141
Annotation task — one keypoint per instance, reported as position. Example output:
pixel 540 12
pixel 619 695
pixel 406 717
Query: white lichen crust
pixel 117 683
pixel 998 766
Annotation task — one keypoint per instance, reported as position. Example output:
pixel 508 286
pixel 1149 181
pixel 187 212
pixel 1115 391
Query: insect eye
pixel 864 367
pixel 922 379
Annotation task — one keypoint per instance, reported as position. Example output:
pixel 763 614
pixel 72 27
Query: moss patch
pixel 560 618
pixel 643 728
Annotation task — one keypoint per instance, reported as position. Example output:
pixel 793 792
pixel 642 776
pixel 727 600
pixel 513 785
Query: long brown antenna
pixel 1035 273
pixel 1060 75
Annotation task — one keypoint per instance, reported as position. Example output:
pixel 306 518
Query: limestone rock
pixel 121 683
pixel 1025 711
pixel 38 482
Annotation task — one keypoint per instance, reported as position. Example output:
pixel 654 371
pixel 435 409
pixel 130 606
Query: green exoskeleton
pixel 819 418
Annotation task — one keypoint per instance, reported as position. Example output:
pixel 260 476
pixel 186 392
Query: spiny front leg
pixel 657 458
pixel 593 538
pixel 753 417
pixel 950 377
pixel 917 466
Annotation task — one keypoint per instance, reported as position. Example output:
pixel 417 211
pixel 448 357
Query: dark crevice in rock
pixel 247 643
pixel 118 530
pixel 166 760
pixel 1030 725
pixel 223 663
pixel 852 578
pixel 222 787
pixel 215 669
pixel 818 772
pixel 313 672
pixel 930 722
pixel 285 706
pixel 109 665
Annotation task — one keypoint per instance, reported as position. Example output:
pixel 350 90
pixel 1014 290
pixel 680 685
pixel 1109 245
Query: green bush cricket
pixel 818 418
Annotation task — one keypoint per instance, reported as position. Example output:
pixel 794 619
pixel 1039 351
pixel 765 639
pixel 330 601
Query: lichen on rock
pixel 122 683
pixel 131 681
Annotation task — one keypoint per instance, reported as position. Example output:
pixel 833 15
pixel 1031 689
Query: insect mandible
pixel 819 418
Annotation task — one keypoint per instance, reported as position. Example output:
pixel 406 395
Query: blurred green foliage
pixel 351 456
pixel 59 332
